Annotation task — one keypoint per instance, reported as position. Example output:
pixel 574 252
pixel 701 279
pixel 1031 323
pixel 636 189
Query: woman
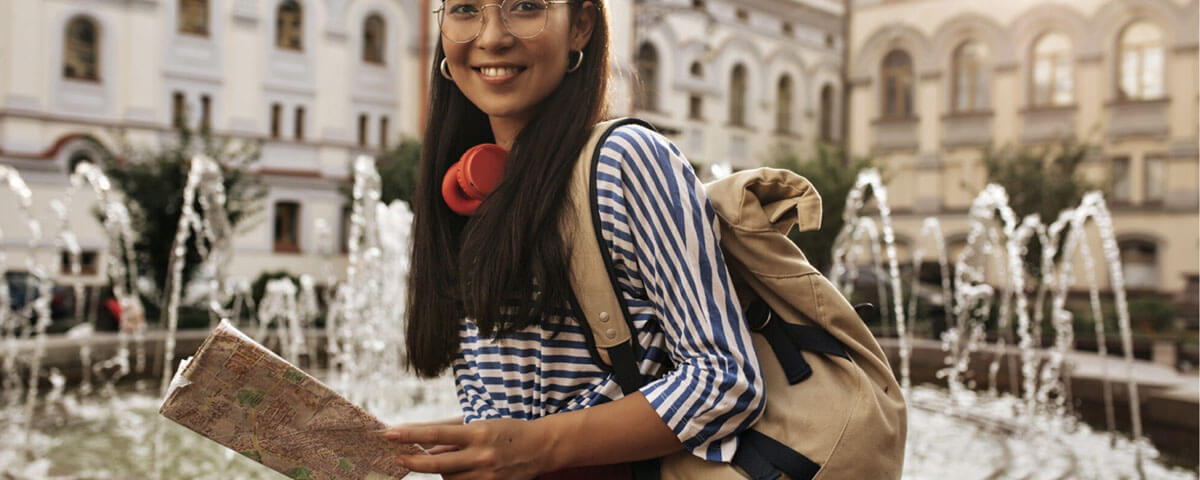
pixel 488 292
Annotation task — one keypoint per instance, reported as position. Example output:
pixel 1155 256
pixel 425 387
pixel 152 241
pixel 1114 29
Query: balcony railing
pixel 1041 124
pixel 1146 118
pixel 895 134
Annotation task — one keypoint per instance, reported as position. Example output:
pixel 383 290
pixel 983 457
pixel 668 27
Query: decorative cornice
pixel 1006 67
pixel 244 12
pixel 859 81
pixel 1186 49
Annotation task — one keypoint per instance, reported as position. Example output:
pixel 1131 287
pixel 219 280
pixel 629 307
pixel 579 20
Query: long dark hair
pixel 506 266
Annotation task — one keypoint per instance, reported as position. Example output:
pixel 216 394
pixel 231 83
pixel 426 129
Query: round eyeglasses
pixel 461 21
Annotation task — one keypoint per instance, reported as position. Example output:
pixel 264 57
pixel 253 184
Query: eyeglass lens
pixel 462 20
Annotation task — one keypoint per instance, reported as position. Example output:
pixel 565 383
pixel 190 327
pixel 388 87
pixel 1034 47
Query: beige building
pixel 318 82
pixel 729 80
pixel 933 82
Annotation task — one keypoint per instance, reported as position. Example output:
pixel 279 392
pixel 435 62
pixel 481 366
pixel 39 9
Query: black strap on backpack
pixel 787 340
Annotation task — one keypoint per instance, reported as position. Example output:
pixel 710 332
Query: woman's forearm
pixel 621 431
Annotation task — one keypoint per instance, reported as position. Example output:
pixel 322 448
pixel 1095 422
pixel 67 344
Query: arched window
pixel 897 84
pixel 374 35
pixel 1139 260
pixel 737 96
pixel 178 110
pixel 970 77
pixel 193 17
pixel 79 157
pixel 1141 67
pixel 362 130
pixel 287 227
pixel 647 70
pixel 81 49
pixel 697 70
pixel 783 105
pixel 383 133
pixel 1053 73
pixel 827 113
pixel 289 26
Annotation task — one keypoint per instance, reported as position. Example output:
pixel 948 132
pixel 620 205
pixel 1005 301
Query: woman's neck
pixel 505 130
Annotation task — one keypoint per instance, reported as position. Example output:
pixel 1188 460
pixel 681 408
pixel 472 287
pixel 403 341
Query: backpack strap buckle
pixel 758 316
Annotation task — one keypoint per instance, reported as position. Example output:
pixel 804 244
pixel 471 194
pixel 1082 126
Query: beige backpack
pixel 833 407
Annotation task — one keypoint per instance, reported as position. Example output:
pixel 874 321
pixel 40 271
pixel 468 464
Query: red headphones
pixel 473 177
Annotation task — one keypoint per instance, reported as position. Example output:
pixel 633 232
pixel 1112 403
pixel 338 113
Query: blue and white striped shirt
pixel 660 230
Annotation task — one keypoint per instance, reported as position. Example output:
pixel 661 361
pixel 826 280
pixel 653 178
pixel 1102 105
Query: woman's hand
pixel 485 449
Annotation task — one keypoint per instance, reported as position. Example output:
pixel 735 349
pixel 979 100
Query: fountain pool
pixel 105 426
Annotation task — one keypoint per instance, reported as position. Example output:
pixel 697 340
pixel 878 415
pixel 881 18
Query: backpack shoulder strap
pixel 597 300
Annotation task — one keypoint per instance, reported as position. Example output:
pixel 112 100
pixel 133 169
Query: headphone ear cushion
pixel 452 192
pixel 464 183
pixel 482 169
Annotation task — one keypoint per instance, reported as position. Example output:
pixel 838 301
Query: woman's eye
pixel 526 6
pixel 463 10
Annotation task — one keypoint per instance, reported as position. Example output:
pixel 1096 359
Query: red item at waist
pixel 600 472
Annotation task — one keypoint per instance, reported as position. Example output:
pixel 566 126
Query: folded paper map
pixel 243 396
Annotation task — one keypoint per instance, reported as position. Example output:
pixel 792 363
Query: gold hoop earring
pixel 445 70
pixel 578 63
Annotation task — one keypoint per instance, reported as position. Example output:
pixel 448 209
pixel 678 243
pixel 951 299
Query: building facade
pixel 317 82
pixel 934 82
pixel 729 81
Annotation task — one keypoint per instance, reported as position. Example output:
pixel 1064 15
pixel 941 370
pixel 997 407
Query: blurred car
pixel 23 292
pixel 931 302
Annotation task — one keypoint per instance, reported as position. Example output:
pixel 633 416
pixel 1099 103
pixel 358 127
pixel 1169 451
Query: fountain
pixel 956 431
pixel 1036 414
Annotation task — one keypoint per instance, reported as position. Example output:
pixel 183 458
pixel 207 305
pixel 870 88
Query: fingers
pixel 439 449
pixel 435 435
pixel 449 462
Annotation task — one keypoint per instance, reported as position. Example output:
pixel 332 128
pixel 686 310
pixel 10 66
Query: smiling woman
pixel 490 296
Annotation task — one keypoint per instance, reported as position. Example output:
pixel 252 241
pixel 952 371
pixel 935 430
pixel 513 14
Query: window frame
pixel 280 41
pixel 380 53
pixel 825 116
pixel 1055 61
pixel 1142 50
pixel 648 68
pixel 280 244
pixel 900 107
pixel 1159 183
pixel 970 68
pixel 363 125
pixel 783 106
pixel 383 132
pixel 1120 180
pixel 182 25
pixel 205 113
pixel 178 109
pixel 94 49
pixel 738 85
pixel 276 121
pixel 695 106
pixel 1140 242
pixel 298 124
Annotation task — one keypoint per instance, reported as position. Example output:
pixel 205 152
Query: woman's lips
pixel 498 75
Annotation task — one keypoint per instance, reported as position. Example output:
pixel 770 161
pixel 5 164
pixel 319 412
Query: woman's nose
pixel 495 34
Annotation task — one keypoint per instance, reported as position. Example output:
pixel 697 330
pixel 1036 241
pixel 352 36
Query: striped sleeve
pixel 715 390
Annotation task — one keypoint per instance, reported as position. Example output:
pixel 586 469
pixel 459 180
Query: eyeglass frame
pixel 482 21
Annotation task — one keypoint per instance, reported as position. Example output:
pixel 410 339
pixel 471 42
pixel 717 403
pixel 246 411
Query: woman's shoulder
pixel 633 142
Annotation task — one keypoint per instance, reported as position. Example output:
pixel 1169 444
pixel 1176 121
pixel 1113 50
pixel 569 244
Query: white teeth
pixel 498 72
